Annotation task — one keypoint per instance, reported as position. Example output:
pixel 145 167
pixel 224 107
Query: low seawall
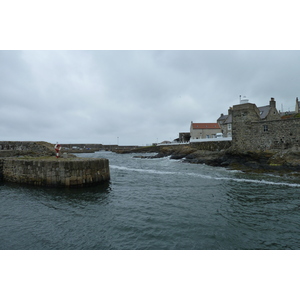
pixel 55 172
pixel 207 146
pixel 1 169
pixel 34 149
pixel 212 145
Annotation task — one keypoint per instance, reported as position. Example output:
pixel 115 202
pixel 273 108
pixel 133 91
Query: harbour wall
pixel 86 148
pixel 14 148
pixel 204 145
pixel 211 145
pixel 54 172
pixel 1 169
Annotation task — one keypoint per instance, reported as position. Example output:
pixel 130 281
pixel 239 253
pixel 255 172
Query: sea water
pixel 155 204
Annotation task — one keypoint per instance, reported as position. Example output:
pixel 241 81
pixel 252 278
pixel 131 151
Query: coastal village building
pixel 253 128
pixel 268 112
pixel 264 128
pixel 225 123
pixel 204 130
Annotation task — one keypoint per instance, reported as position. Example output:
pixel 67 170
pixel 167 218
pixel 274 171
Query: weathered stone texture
pixel 8 148
pixel 212 146
pixel 280 135
pixel 1 169
pixel 249 133
pixel 52 172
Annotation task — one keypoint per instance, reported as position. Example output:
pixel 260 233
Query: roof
pixel 228 120
pixel 222 118
pixel 205 126
pixel 225 119
pixel 264 111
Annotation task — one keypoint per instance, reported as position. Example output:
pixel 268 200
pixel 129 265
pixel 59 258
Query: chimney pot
pixel 273 103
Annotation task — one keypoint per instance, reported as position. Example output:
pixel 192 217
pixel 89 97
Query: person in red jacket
pixel 57 148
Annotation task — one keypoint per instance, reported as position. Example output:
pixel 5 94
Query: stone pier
pixel 70 172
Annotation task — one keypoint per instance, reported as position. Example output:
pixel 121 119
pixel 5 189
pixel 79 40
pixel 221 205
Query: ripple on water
pixel 155 204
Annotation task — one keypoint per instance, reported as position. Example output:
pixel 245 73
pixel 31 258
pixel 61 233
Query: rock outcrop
pixel 257 161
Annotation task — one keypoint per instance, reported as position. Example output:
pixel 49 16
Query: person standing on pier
pixel 57 148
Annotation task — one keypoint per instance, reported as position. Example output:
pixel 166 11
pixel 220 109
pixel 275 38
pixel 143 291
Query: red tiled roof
pixel 206 126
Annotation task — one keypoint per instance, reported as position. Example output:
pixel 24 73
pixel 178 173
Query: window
pixel 229 126
pixel 266 128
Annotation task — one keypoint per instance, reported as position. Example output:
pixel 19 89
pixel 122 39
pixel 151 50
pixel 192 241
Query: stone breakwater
pixel 32 149
pixel 55 172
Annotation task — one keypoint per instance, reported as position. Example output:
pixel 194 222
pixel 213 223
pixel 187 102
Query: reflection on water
pixel 62 195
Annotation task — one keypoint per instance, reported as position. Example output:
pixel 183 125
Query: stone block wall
pixel 242 117
pixel 276 135
pixel 11 148
pixel 212 146
pixel 56 172
pixel 1 169
pixel 251 134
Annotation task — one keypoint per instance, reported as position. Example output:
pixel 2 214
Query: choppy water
pixel 155 204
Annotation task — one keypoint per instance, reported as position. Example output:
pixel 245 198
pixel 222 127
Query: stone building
pixel 204 130
pixel 263 128
pixel 225 123
pixel 268 112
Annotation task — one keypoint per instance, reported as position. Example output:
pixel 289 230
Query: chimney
pixel 273 102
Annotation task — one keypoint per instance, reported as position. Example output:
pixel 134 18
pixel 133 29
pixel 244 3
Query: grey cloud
pixel 138 96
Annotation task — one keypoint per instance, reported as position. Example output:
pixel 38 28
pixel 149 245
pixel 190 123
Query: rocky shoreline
pixel 248 161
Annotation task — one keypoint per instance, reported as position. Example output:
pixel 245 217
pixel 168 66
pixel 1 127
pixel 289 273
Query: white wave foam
pixel 243 180
pixel 259 181
pixel 151 171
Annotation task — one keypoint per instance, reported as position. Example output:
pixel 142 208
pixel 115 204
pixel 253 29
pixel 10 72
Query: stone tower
pixel 242 117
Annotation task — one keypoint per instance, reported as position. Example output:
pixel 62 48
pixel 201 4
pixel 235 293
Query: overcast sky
pixel 140 97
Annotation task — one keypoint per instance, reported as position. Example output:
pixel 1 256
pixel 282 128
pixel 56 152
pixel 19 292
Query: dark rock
pixel 258 161
pixel 177 156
